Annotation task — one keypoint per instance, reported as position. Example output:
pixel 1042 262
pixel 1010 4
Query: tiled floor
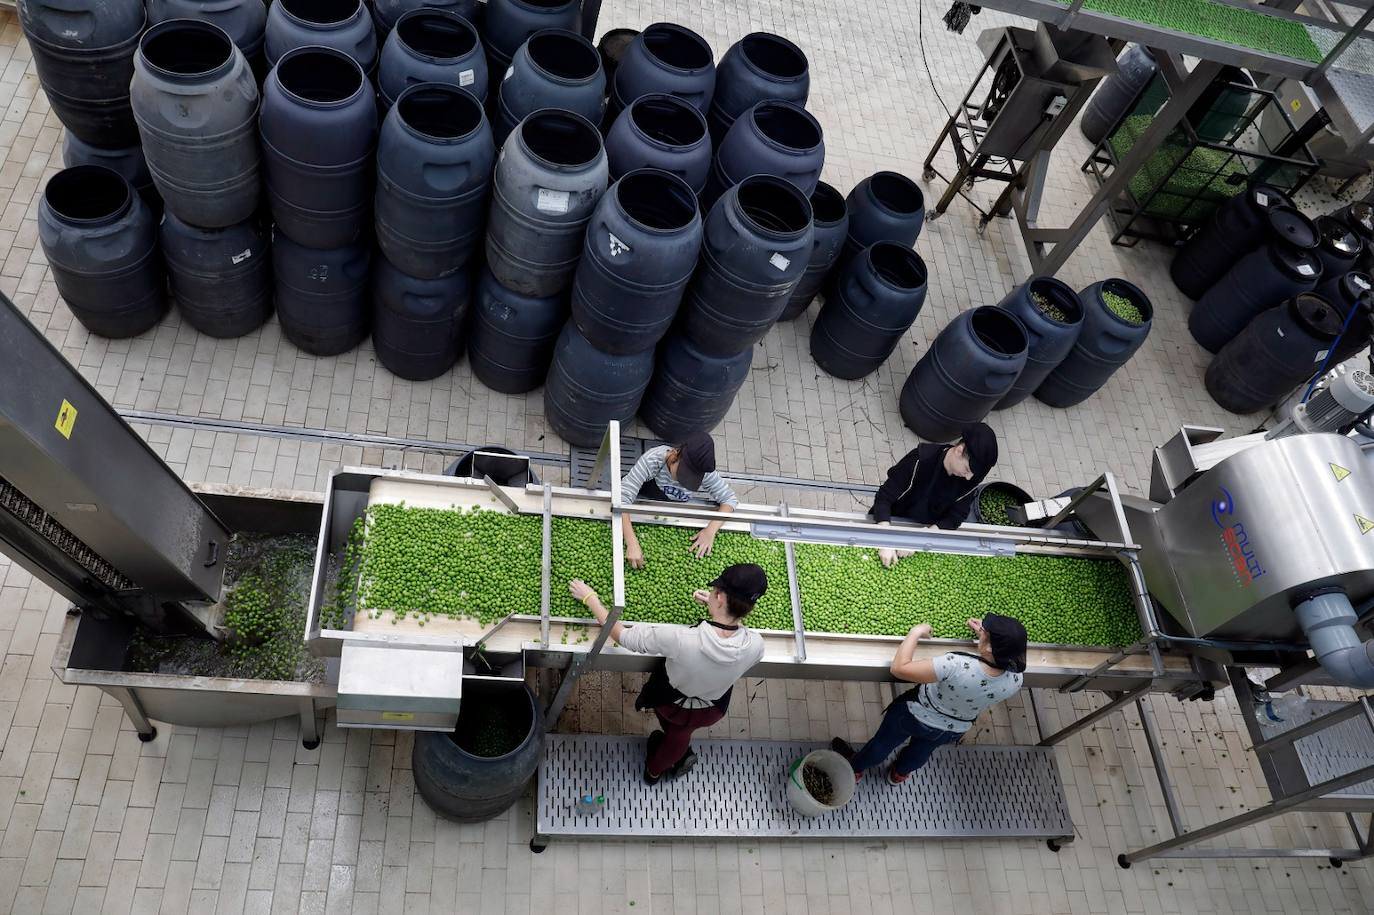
pixel 244 820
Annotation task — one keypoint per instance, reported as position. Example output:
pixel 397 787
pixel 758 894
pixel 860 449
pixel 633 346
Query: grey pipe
pixel 1328 621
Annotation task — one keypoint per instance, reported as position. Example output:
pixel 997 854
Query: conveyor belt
pixel 738 789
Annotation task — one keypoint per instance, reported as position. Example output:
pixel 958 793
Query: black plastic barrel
pixel 1006 492
pixel 553 69
pixel 196 103
pixel 691 390
pixel 460 785
pixel 664 132
pixel 884 206
pixel 505 467
pixel 1344 292
pixel 665 57
pixel 1239 226
pixel 417 324
pixel 1338 246
pixel 1053 318
pixel 1360 217
pixel 128 162
pixel 759 66
pixel 757 242
pixel 875 303
pixel 344 25
pixel 321 295
pixel 1277 351
pixel 1256 283
pixel 244 21
pixel 587 388
pixel 1116 94
pixel 434 163
pixel 829 224
pixel 549 178
pixel 1105 343
pixel 510 23
pixel 389 12
pixel 431 46
pixel 84 53
pixel 221 279
pixel 612 47
pixel 970 366
pixel 319 131
pixel 772 138
pixel 511 338
pixel 642 245
pixel 100 241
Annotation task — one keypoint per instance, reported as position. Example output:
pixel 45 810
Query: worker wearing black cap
pixel 673 474
pixel 934 484
pixel 691 689
pixel 952 690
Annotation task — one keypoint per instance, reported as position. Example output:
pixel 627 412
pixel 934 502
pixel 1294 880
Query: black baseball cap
pixel 696 458
pixel 1007 638
pixel 744 581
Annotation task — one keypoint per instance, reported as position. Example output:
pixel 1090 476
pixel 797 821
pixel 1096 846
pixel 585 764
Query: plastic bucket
pixel 841 776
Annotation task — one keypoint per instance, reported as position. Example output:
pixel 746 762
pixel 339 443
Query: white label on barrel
pixel 1262 198
pixel 1321 355
pixel 509 72
pixel 466 78
pixel 1361 282
pixel 777 260
pixel 1305 269
pixel 551 201
pixel 616 246
pixel 241 256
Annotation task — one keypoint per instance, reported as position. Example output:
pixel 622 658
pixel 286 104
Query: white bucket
pixel 841 779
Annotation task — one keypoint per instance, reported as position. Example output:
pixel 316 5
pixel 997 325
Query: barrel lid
pixel 1287 224
pixel 1337 237
pixel 1360 217
pixel 1298 264
pixel 1265 196
pixel 1316 315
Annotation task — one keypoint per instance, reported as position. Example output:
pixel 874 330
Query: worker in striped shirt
pixel 674 474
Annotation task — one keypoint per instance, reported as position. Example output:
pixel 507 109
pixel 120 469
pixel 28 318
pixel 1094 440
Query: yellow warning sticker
pixel 1339 472
pixel 1296 104
pixel 1365 524
pixel 398 716
pixel 66 418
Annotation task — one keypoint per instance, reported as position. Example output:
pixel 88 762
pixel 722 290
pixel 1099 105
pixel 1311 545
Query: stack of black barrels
pixel 1279 297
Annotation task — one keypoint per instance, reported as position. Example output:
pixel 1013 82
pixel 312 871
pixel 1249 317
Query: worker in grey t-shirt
pixel 951 691
pixel 673 474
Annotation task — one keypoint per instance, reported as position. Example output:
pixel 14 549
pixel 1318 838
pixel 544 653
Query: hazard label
pixel 66 418
pixel 1365 524
pixel 1339 472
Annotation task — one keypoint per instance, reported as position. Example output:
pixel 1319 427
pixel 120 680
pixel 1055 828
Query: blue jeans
pixel 900 725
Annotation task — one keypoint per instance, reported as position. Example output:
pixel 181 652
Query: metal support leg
pixel 1166 787
pixel 578 667
pixel 134 709
pixel 1118 700
pixel 310 725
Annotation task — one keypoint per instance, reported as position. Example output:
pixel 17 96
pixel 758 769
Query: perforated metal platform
pixel 738 789
pixel 1332 752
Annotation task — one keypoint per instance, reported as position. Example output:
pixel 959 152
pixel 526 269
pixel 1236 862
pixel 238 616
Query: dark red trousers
pixel 678 723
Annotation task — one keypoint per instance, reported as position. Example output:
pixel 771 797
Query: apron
pixel 658 690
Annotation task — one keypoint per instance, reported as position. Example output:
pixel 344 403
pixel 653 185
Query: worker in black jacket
pixel 934 484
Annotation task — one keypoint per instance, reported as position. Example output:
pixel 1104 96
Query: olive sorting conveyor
pixel 532 637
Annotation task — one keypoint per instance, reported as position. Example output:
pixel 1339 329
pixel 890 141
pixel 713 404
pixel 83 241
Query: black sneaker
pixel 654 740
pixel 842 747
pixel 649 778
pixel 684 765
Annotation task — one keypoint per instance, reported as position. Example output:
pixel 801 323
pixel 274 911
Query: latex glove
pixel 902 554
pixel 702 595
pixel 702 542
pixel 888 557
pixel 634 555
pixel 580 590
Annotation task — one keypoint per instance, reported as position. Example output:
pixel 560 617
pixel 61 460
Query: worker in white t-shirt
pixel 691 689
pixel 951 691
